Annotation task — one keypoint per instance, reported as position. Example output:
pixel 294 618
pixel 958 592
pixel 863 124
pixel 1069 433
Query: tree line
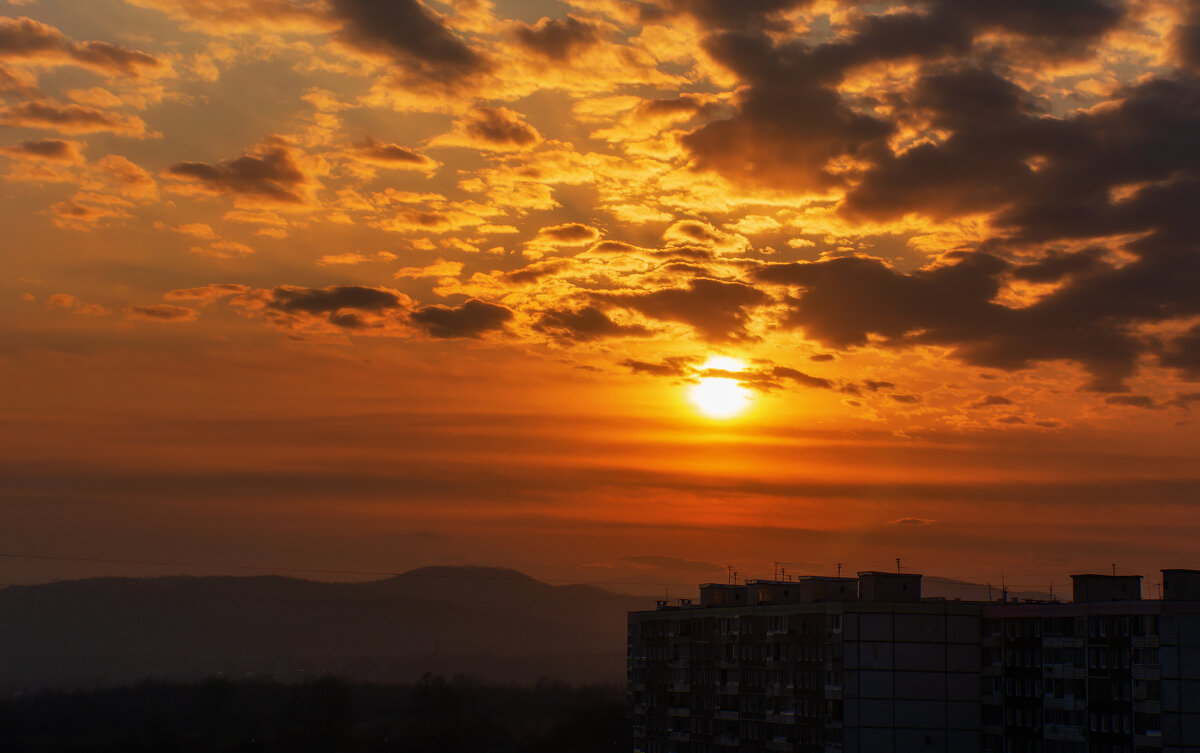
pixel 326 715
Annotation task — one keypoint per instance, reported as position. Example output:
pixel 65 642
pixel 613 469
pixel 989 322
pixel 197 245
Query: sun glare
pixel 720 397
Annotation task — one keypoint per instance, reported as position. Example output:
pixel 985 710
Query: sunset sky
pixel 604 291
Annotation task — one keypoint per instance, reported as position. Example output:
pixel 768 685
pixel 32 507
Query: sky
pixel 604 291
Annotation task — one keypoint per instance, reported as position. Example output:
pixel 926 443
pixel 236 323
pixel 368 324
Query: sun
pixel 718 396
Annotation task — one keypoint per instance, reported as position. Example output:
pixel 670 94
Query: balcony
pixel 1064 671
pixel 1147 672
pixel 1064 732
pixel 679 711
pixel 1062 641
pixel 1147 707
pixel 1144 641
pixel 1152 739
pixel 1069 703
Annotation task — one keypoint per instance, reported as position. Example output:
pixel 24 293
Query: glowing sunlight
pixel 720 396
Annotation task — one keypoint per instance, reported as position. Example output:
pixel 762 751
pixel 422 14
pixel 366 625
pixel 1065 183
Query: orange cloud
pixel 270 175
pixel 160 312
pixel 49 115
pixel 492 129
pixel 26 40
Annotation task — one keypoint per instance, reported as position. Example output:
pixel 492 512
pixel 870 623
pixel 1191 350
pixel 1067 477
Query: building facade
pixel 865 665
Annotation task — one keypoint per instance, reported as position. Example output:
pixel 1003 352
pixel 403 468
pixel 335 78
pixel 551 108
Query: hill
pixel 490 623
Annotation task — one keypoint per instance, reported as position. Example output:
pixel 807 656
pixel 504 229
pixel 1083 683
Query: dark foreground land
pixel 327 715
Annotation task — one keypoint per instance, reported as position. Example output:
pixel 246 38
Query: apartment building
pixel 1107 673
pixel 866 665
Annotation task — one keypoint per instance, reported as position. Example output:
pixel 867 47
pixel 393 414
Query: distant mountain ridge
pixel 492 623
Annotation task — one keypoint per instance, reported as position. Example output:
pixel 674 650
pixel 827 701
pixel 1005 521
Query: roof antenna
pixel 1114 567
pixel 989 585
pixel 776 575
pixel 839 569
pixel 1003 588
pixel 729 574
pixel 897 564
pixel 1051 590
pixel 783 573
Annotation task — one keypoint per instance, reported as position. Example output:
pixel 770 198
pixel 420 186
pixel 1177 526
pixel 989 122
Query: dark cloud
pixel 1183 353
pixel 789 122
pixel 695 231
pixel 671 366
pixel 347 307
pixel 688 253
pixel 271 173
pixel 716 310
pixel 822 357
pixel 766 379
pixel 1055 265
pixel 558 38
pixel 841 295
pixel 531 273
pixel 793 127
pixel 391 154
pixel 587 323
pixel 472 319
pixel 990 401
pixel 70 118
pixel 1187 38
pixel 614 247
pixel 799 377
pixel 571 232
pixel 408 33
pixel 55 150
pixel 26 39
pixel 499 126
pixel 160 312
pixel 721 14
pixel 333 299
pixel 1132 401
pixel 875 386
pixel 846 301
pixel 687 105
